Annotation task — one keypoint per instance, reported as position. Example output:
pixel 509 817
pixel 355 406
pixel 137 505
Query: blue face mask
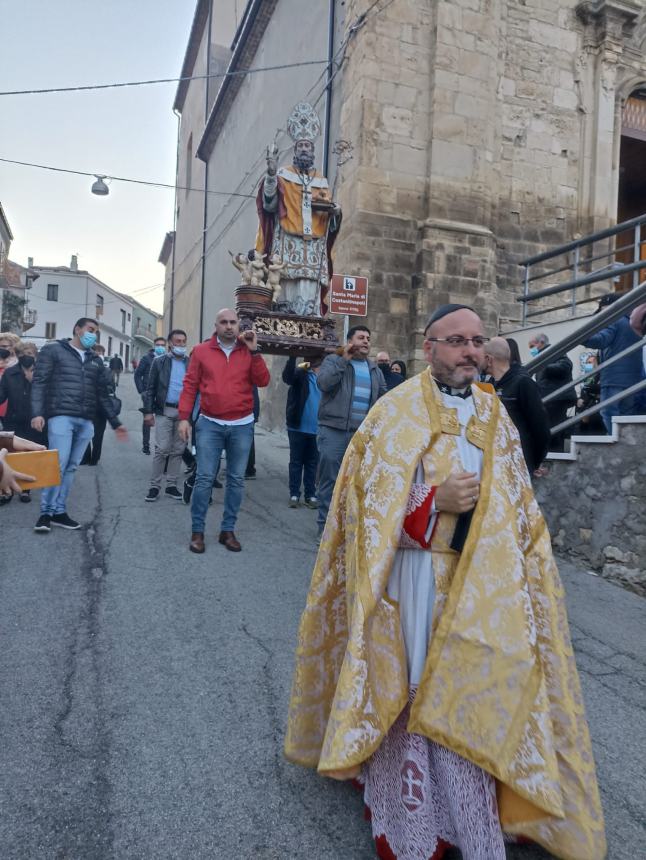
pixel 88 339
pixel 179 350
pixel 160 350
pixel 588 367
pixel 533 351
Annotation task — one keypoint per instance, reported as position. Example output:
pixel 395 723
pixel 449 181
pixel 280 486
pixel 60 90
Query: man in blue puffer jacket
pixel 623 373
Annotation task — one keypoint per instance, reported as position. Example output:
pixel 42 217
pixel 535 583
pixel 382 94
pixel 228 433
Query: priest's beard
pixel 459 376
pixel 304 161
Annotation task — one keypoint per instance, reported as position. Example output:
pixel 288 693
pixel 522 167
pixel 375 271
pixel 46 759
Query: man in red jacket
pixel 223 370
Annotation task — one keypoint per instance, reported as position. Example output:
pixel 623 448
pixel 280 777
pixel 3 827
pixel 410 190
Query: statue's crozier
pixel 298 221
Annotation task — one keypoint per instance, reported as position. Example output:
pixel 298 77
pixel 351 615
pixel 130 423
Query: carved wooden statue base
pixel 289 334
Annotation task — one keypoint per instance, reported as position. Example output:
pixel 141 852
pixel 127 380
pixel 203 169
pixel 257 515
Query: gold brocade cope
pixel 500 685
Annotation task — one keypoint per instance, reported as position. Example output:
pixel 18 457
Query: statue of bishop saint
pixel 298 220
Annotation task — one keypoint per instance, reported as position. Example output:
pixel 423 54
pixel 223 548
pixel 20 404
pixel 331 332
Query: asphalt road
pixel 143 689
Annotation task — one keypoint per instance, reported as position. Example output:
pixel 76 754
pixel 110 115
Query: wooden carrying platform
pixel 289 334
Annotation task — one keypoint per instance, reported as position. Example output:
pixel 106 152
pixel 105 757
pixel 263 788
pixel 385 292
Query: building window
pixel 129 317
pixel 121 348
pixel 123 321
pixel 52 292
pixel 50 330
pixel 189 162
pixel 109 345
pixel 99 305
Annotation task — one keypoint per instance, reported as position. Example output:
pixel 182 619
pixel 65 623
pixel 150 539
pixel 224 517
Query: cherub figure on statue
pixel 257 268
pixel 242 263
pixel 275 267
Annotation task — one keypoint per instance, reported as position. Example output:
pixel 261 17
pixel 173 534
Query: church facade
pixel 459 137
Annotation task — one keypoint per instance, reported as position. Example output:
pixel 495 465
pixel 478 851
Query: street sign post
pixel 349 297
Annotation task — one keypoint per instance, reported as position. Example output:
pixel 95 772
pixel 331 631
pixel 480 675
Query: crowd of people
pixel 204 406
pixel 423 493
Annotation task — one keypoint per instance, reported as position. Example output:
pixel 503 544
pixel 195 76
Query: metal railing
pixel 29 317
pixel 609 315
pixel 580 257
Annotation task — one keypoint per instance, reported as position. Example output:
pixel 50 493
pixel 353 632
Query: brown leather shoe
pixel 230 541
pixel 197 542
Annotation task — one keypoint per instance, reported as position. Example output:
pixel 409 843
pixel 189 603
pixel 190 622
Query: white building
pixel 64 294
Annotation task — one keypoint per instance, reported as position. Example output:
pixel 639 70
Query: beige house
pixel 482 132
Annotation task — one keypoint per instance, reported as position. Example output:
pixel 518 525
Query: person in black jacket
pixel 116 367
pixel 302 424
pixel 141 383
pixel 393 378
pixel 15 390
pixel 521 398
pixel 554 375
pixel 67 391
pixel 95 446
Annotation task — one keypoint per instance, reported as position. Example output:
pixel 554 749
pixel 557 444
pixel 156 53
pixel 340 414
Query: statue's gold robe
pixel 500 685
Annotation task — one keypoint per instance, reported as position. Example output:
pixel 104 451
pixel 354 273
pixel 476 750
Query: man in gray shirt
pixel 350 385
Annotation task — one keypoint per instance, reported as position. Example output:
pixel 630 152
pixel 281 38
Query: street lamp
pixel 99 187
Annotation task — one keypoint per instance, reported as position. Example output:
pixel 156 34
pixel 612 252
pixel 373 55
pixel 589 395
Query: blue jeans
pixel 211 440
pixel 303 461
pixel 627 406
pixel 70 437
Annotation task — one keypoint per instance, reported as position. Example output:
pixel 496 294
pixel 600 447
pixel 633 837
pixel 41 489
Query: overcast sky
pixel 126 132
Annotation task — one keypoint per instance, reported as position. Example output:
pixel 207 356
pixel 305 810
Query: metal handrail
pixel 570 422
pixel 624 352
pixel 598 275
pixel 586 240
pixel 613 312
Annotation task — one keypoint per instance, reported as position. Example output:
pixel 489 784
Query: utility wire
pixel 237 73
pixel 121 178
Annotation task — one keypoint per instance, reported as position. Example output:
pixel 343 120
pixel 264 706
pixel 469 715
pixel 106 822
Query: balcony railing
pixel 29 318
pixel 145 332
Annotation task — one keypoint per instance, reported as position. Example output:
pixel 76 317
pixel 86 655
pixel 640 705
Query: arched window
pixel 631 199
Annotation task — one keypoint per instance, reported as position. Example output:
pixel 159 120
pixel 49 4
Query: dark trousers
pixel 93 451
pixel 251 462
pixel 332 445
pixel 145 434
pixel 557 413
pixel 303 462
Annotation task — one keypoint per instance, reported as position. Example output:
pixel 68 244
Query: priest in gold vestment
pixel 434 662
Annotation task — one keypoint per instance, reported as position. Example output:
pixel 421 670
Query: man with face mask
pixel 549 378
pixel 161 402
pixel 141 382
pixel 298 220
pixel 67 392
pixel 392 378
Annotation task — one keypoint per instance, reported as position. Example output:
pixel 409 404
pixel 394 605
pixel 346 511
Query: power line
pixel 122 178
pixel 115 85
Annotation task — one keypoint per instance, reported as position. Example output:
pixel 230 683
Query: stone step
pixel 575 441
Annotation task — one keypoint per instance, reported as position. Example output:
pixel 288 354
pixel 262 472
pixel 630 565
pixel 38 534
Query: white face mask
pixel 179 351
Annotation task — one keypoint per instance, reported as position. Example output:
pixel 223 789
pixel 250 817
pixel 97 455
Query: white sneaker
pixel 312 502
pixel 293 502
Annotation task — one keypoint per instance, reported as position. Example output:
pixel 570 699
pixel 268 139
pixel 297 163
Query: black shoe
pixel 217 485
pixel 187 490
pixel 65 522
pixel 251 476
pixel 145 449
pixel 44 523
pixel 153 494
pixel 173 493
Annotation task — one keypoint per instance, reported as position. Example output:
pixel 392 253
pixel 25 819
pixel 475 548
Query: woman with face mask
pixel 15 394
